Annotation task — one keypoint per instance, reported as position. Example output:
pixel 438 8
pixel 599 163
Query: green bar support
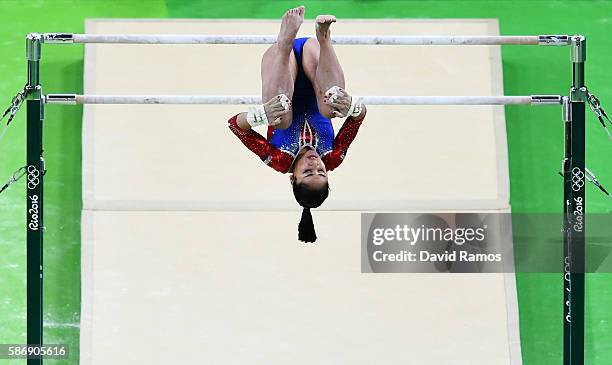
pixel 34 196
pixel 575 208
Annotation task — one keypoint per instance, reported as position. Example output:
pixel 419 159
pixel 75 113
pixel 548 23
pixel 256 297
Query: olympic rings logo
pixel 577 179
pixel 33 175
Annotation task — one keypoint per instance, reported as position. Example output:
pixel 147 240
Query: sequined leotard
pixel 308 128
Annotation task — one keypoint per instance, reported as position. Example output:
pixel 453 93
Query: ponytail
pixel 308 198
pixel 306 230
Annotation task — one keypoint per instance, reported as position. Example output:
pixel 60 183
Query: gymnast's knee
pixel 285 122
pixel 325 110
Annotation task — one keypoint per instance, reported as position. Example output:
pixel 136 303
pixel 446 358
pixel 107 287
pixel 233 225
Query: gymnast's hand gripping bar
pixel 74 99
pixel 542 40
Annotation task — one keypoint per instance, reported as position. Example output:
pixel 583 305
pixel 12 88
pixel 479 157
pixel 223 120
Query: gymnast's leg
pixel 321 64
pixel 278 65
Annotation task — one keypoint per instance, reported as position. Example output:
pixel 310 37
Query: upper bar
pixel 62 38
pixel 73 99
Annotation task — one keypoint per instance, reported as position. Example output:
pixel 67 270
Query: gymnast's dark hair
pixel 308 198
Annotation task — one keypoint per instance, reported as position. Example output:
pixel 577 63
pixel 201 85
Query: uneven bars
pixel 74 99
pixel 67 38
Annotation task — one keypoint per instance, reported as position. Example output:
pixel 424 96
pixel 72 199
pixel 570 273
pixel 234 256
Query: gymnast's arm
pixel 343 140
pixel 255 142
pixel 241 121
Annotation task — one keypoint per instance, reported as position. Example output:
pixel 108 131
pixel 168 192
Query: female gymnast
pixel 304 85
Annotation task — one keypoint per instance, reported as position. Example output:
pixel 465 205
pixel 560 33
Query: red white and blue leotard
pixel 308 128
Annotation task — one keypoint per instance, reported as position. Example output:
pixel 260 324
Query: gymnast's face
pixel 309 169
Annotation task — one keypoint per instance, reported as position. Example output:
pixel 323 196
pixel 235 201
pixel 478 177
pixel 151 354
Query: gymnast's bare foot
pixel 322 25
pixel 292 20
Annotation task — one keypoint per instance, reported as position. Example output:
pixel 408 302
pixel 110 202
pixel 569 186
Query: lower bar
pixel 73 99
pixel 34 225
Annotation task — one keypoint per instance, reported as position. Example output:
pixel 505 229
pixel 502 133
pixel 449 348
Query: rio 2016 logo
pixel 33 182
pixel 577 179
pixel 579 215
pixel 33 175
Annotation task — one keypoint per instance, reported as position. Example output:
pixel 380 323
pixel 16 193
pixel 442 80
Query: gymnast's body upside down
pixel 303 84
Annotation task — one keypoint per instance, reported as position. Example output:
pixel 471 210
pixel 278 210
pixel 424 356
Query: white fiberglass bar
pixel 269 39
pixel 74 99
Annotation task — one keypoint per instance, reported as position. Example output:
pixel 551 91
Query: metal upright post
pixel 574 208
pixel 34 196
pixel 567 196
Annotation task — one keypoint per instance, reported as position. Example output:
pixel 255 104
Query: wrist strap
pixel 256 116
pixel 356 107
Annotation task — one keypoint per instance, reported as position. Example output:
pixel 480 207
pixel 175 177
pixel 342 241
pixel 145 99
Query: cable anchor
pixel 600 113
